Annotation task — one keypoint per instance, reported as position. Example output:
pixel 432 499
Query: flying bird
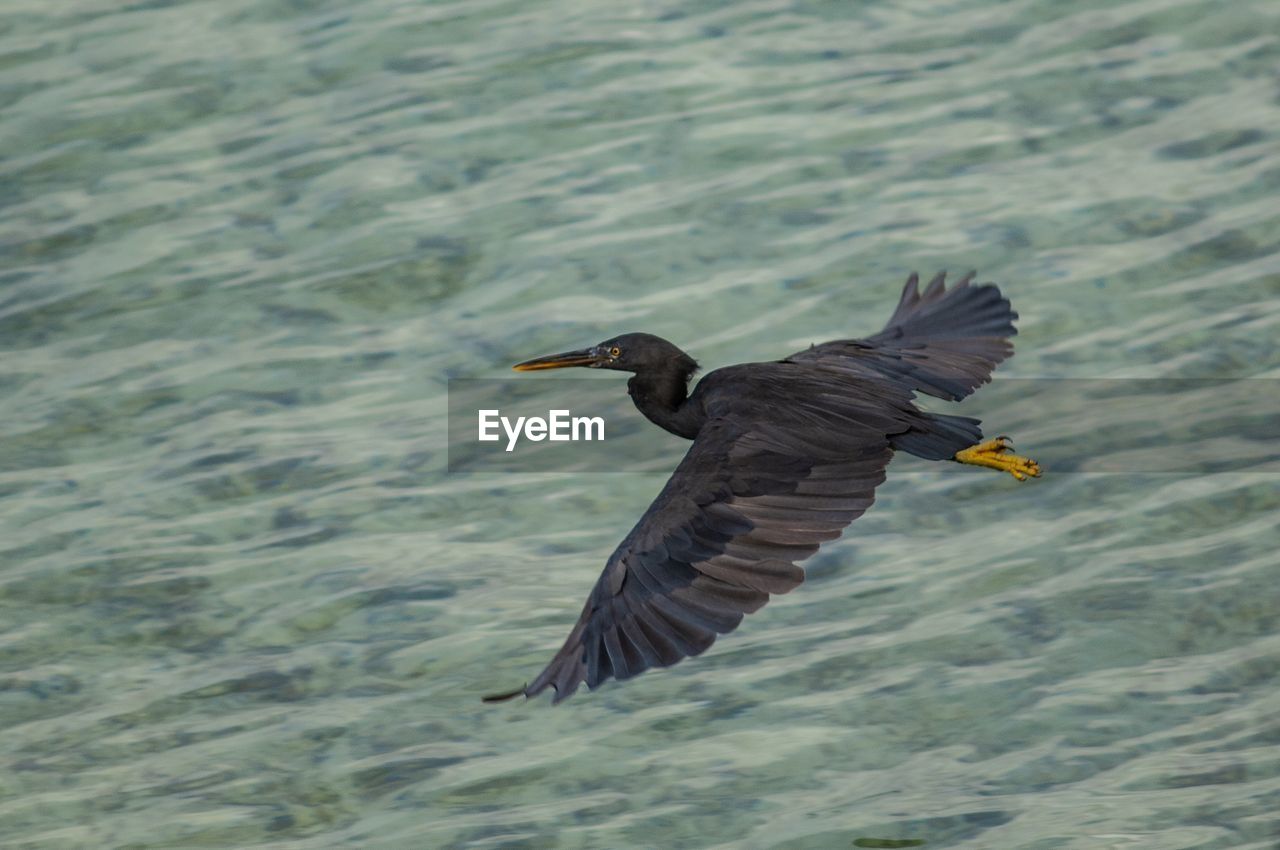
pixel 784 455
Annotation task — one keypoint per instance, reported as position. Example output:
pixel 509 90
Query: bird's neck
pixel 663 397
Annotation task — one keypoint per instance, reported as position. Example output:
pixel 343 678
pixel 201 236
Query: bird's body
pixel 785 454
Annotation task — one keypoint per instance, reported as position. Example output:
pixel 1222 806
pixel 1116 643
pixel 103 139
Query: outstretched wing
pixel 943 342
pixel 759 490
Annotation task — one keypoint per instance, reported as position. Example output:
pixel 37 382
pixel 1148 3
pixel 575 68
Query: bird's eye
pixel 615 351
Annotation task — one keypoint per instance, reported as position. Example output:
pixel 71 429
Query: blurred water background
pixel 244 245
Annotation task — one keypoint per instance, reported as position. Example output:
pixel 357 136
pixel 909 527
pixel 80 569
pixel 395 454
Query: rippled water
pixel 244 245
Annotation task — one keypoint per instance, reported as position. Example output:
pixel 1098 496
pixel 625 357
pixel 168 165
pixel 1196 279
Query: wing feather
pixel 942 342
pixel 744 506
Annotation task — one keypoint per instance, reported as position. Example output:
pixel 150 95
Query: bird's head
pixel 635 352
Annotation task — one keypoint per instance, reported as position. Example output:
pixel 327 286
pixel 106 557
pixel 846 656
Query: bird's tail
pixel 937 436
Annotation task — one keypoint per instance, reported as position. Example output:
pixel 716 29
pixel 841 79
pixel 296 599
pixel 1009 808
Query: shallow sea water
pixel 245 244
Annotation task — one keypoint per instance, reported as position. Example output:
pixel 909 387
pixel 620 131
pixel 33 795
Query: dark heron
pixel 784 456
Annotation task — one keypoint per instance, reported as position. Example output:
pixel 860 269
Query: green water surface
pixel 244 245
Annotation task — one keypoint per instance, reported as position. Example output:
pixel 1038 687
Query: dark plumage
pixel 784 456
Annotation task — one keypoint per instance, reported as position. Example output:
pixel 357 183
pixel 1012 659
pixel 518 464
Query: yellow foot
pixel 998 454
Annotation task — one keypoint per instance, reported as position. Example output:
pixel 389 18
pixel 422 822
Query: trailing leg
pixel 998 454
